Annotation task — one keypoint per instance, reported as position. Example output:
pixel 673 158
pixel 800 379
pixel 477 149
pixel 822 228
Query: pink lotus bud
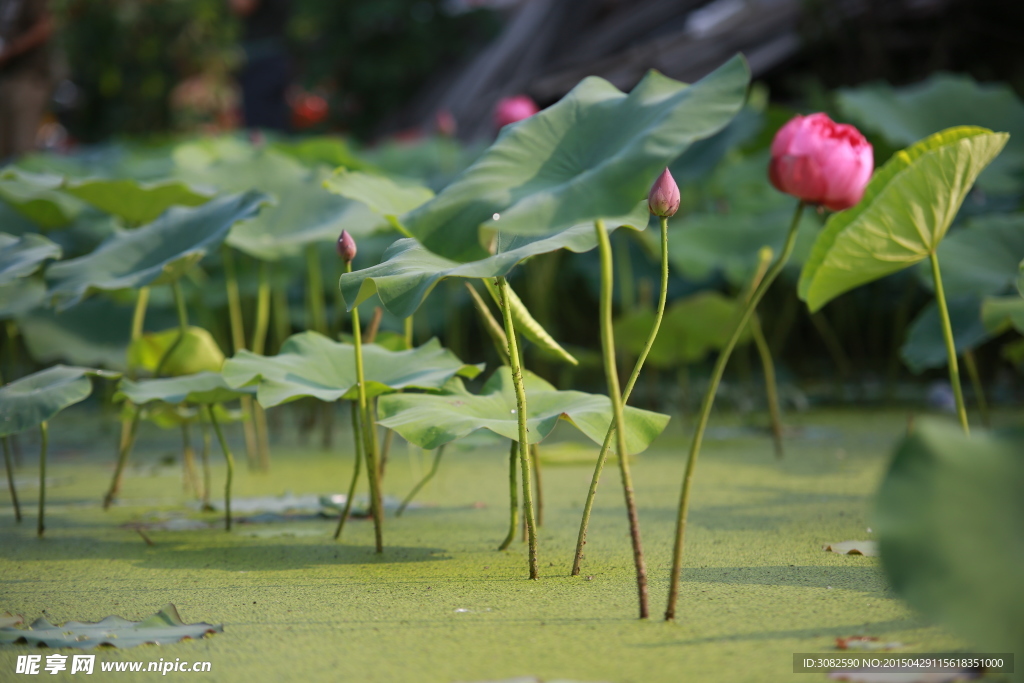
pixel 346 247
pixel 663 199
pixel 444 121
pixel 512 109
pixel 821 162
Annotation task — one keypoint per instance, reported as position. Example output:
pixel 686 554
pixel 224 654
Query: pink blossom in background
pixel 821 162
pixel 512 109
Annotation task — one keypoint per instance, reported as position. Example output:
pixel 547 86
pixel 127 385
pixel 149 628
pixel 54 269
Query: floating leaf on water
pixel 866 548
pixel 163 628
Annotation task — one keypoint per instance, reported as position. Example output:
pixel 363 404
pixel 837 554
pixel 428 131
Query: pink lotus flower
pixel 821 162
pixel 512 109
pixel 663 199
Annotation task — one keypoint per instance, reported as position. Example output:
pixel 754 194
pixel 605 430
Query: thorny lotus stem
pixel 770 385
pixel 612 375
pixel 357 435
pixel 602 456
pixel 369 431
pixel 10 478
pixel 122 458
pixel 422 482
pixel 513 497
pixel 515 364
pixel 259 343
pixel 238 341
pixel 179 304
pixel 947 335
pixel 537 482
pixel 231 465
pixel 709 401
pixel 979 390
pixel 44 439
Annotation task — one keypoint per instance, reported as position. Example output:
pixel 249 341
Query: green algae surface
pixel 441 604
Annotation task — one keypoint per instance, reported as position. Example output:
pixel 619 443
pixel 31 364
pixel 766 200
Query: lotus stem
pixel 603 454
pixel 407 327
pixel 369 432
pixel 44 440
pixel 230 461
pixel 537 482
pixel 513 497
pixel 385 451
pixel 979 389
pixel 179 304
pixel 612 377
pixel 259 343
pixel 947 335
pixel 708 403
pixel 122 458
pixel 10 478
pixel 282 315
pixel 189 461
pixel 138 322
pixel 770 385
pixel 357 435
pixel 238 341
pixel 422 482
pixel 204 456
pixel 515 364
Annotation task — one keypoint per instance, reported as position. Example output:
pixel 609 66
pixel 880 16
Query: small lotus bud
pixel 663 199
pixel 346 247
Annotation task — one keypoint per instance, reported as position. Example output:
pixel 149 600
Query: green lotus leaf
pixel 1000 313
pixel 592 155
pixel 153 254
pixel 949 519
pixel 21 256
pixel 430 421
pixel 197 352
pixel 409 270
pixel 904 115
pixel 381 194
pixel 980 259
pixel 135 202
pixel 528 326
pixel 21 296
pixel 310 364
pixel 906 210
pixel 37 198
pixel 203 388
pixel 323 150
pixel 163 628
pixel 26 402
pixel 925 346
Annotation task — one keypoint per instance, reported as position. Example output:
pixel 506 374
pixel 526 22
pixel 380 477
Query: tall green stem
pixel 979 388
pixel 603 454
pixel 709 401
pixel 259 343
pixel 44 440
pixel 122 458
pixel 231 464
pixel 515 365
pixel 612 377
pixel 179 304
pixel 10 478
pixel 138 322
pixel 513 497
pixel 357 435
pixel 537 482
pixel 369 430
pixel 407 327
pixel 422 482
pixel 947 335
pixel 237 324
pixel 204 455
pixel 770 385
pixel 282 316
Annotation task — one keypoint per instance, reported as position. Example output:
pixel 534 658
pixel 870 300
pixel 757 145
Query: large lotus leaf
pixel 324 150
pixel 1000 313
pixel 153 254
pixel 26 402
pixel 93 333
pixel 21 256
pixel 591 155
pixel 925 346
pixel 696 163
pixel 136 202
pixel 163 628
pixel 383 195
pixel 310 364
pixel 907 114
pixel 197 352
pixel 435 160
pixel 702 323
pixel 21 296
pixel 950 522
pixel 203 388
pixel 906 210
pixel 409 270
pixel 430 421
pixel 983 258
pixel 36 197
